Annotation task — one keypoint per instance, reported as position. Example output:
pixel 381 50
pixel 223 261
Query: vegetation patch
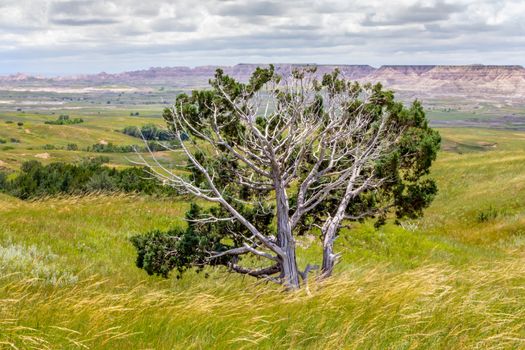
pixel 65 120
pixel 37 180
pixel 39 265
pixel 149 132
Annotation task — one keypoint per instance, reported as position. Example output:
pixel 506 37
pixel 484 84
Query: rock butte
pixel 501 81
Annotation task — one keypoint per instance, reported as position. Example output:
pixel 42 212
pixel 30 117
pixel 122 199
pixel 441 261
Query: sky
pixel 62 37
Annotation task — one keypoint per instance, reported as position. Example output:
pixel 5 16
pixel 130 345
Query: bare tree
pixel 298 142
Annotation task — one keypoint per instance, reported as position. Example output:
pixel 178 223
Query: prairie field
pixel 263 174
pixel 451 280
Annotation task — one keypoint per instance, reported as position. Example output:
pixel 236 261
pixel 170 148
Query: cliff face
pixel 440 80
pixel 436 80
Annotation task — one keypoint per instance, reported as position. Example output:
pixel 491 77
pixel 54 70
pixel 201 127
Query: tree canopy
pixel 279 156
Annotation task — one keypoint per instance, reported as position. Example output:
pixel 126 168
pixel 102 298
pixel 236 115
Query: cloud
pixel 90 36
pixel 251 8
pixel 83 22
pixel 416 13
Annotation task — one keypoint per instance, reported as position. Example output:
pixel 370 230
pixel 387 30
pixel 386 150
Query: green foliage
pixel 64 119
pixel 149 132
pixel 151 146
pixel 161 252
pixel 72 147
pixel 37 180
pixel 111 148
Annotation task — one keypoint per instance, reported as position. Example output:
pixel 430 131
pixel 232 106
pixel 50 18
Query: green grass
pixel 34 135
pixel 447 281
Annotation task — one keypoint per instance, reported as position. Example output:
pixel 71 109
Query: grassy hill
pixel 34 138
pixel 452 280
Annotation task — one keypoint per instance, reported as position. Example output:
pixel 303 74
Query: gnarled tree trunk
pixel 285 239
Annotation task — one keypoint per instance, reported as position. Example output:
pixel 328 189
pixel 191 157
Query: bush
pixel 9 122
pixel 99 160
pixel 49 147
pixel 149 132
pixel 131 131
pixel 20 123
pixel 14 140
pixel 110 148
pixel 72 147
pixel 3 140
pixel 64 119
pixel 36 180
pixel 152 146
pixel 101 182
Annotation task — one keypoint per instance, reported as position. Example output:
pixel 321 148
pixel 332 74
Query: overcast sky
pixel 64 37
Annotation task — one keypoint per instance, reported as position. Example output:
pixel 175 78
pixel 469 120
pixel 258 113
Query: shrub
pixel 20 123
pixel 40 265
pixel 101 182
pixel 14 140
pixel 131 131
pixel 110 148
pixel 72 147
pixel 3 140
pixel 64 119
pixel 99 160
pixel 36 180
pixel 9 122
pixel 149 132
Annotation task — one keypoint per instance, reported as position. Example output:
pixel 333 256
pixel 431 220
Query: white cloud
pixel 69 36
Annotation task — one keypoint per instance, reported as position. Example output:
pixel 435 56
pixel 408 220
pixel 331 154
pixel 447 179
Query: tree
pixel 282 156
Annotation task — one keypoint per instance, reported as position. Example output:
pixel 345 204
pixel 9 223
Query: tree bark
pixel 329 258
pixel 330 229
pixel 285 239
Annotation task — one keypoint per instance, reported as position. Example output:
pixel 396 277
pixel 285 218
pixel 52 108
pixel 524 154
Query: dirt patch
pixel 42 155
pixel 2 163
pixel 27 131
pixel 488 144
pixel 103 142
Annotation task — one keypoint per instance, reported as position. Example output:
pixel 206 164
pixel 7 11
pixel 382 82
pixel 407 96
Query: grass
pixel 447 281
pixel 34 135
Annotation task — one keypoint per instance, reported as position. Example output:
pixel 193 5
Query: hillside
pixel 452 280
pixel 484 81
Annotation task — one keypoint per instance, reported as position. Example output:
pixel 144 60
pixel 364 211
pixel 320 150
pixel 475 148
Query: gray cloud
pixel 416 13
pixel 252 8
pixel 75 36
pixel 83 22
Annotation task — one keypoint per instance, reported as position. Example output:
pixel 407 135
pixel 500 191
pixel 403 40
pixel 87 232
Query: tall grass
pixel 447 281
pixel 432 307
